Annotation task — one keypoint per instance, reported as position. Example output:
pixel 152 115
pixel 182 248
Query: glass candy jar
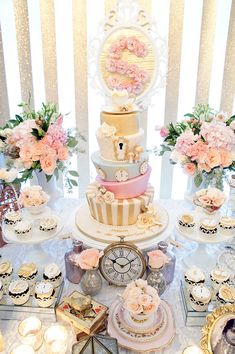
pixel 91 282
pixel 73 271
pixel 157 280
pixel 169 268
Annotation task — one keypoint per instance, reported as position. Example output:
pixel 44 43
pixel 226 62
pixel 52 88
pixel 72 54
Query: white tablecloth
pixel 57 247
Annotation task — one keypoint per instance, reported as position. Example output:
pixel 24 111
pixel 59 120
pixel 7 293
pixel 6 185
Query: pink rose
pixel 111 65
pixel 115 51
pixel 121 67
pixel 163 132
pixel 157 259
pixel 132 70
pixel 132 44
pixel 133 306
pixel 144 300
pixel 141 76
pixel 56 145
pixel 48 163
pixel 134 293
pixel 63 153
pixel 151 308
pixel 226 158
pixel 38 149
pixel 140 50
pixel 89 258
pixel 26 155
pixel 190 168
pixel 122 43
pixel 213 158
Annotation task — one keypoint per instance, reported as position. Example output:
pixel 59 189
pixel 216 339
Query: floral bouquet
pixel 33 197
pixel 37 141
pixel 210 199
pixel 89 259
pixel 203 144
pixel 140 299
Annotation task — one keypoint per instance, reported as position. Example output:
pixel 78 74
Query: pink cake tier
pixel 120 212
pixel 131 188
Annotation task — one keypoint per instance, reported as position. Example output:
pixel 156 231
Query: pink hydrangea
pixel 185 141
pixel 56 134
pixel 22 133
pixel 218 135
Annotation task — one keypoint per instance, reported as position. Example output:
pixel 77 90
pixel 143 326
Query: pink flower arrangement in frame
pixel 134 77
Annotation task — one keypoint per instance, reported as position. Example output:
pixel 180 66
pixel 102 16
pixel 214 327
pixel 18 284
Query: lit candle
pixel 30 331
pixel 192 349
pixel 23 349
pixel 56 338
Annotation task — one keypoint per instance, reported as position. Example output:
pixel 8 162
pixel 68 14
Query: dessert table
pixel 57 247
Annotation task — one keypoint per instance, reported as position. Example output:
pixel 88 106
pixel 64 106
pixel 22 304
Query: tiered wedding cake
pixel 121 191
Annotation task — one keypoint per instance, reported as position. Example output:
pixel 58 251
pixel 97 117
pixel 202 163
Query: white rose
pixel 11 175
pixel 141 283
pixel 178 158
pixel 1 144
pixel 106 130
pixel 108 197
pixel 2 133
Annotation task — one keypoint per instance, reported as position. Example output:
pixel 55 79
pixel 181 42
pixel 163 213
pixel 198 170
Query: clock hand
pixel 113 260
pixel 130 261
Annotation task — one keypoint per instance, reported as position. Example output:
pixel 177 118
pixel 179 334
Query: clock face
pixel 122 264
pixel 121 175
pixel 144 167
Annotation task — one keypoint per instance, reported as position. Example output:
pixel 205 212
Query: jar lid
pixel 162 246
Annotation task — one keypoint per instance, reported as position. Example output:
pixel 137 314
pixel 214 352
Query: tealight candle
pixel 30 332
pixel 192 349
pixel 56 338
pixel 23 349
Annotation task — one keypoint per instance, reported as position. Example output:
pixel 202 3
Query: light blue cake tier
pixel 119 171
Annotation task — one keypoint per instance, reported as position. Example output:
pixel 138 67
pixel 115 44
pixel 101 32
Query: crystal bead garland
pixel 231 198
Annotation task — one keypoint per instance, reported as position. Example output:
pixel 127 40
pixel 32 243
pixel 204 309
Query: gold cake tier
pixel 126 123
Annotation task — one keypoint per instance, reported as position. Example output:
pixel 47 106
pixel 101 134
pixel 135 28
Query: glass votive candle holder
pixel 23 349
pixel 192 349
pixel 56 339
pixel 30 332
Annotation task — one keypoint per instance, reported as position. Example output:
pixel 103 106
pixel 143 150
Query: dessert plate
pixel 35 236
pixel 148 341
pixel 95 234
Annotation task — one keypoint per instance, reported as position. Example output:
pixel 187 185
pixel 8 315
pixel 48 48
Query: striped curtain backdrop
pixel 43 52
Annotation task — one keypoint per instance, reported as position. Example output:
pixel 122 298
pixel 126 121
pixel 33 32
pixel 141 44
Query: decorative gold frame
pixel 211 320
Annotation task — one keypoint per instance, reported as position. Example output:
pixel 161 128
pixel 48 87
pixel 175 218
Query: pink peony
pixel 163 132
pixel 63 153
pixel 48 163
pixel 190 168
pixel 157 259
pixel 38 149
pixel 89 259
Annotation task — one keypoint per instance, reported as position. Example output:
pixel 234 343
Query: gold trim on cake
pixel 125 123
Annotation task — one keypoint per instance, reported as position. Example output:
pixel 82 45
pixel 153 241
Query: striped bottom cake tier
pixel 121 212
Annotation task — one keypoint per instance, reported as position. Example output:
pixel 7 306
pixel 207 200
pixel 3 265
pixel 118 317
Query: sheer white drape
pixel 43 49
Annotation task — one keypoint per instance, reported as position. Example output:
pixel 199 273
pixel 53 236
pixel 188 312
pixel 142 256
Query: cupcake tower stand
pixel 201 256
pixel 35 253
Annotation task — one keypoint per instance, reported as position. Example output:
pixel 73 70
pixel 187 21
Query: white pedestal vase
pixel 50 187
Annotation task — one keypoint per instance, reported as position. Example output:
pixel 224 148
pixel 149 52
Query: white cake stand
pixel 36 238
pixel 201 257
pixel 95 234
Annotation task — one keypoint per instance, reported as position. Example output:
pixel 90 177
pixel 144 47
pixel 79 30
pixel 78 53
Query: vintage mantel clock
pixel 122 262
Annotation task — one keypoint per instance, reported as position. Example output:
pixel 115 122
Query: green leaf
pixel 48 177
pixel 19 118
pixel 190 115
pixel 198 180
pixel 35 133
pixel 73 173
pixel 72 142
pixel 74 183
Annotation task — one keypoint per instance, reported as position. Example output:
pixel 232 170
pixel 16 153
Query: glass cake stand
pixel 36 238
